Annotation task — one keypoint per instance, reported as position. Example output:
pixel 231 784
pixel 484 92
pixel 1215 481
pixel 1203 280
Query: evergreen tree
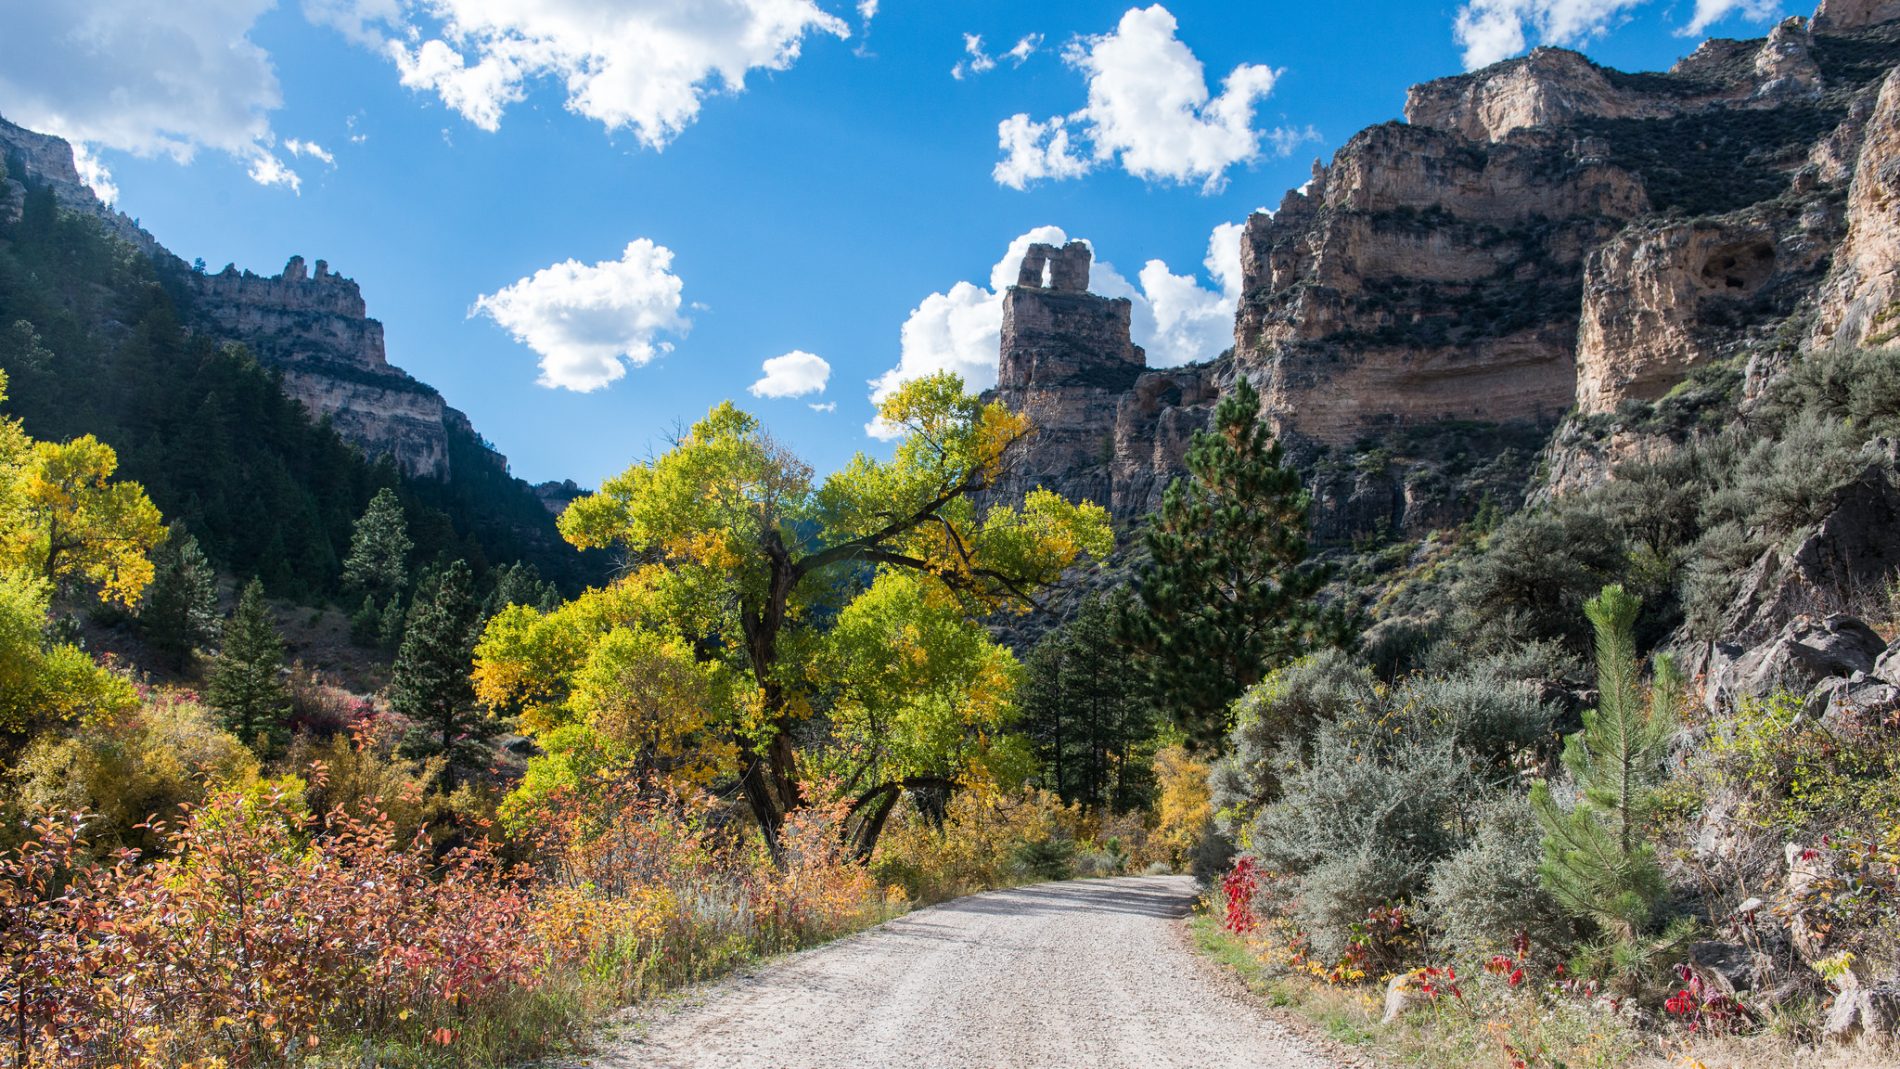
pixel 180 610
pixel 431 685
pixel 1226 594
pixel 366 623
pixel 520 584
pixel 1084 710
pixel 379 547
pixel 247 687
pixel 1597 862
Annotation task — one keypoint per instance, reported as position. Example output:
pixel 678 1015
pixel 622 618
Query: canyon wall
pixel 1541 238
pixel 312 326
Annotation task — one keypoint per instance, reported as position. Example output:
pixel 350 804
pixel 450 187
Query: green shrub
pixel 1485 894
pixel 1045 859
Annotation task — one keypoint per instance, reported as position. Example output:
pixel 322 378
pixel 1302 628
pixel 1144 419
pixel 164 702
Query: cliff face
pixel 1106 430
pixel 49 161
pixel 1542 237
pixel 313 327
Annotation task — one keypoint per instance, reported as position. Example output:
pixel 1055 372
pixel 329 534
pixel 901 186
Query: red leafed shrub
pixel 1701 1010
pixel 253 939
pixel 1238 887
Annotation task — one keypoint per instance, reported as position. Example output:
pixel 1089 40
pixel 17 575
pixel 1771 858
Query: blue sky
pixel 840 194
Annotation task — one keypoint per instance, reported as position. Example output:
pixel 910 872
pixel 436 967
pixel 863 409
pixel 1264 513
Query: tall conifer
pixel 1226 594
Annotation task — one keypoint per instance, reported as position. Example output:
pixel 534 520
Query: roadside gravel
pixel 1084 973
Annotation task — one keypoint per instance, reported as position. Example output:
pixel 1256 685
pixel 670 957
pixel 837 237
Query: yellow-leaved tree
pixel 63 523
pixel 755 599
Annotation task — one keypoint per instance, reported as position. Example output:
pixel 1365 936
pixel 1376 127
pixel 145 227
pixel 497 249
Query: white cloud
pixel 268 170
pixel 1024 47
pixel 1149 109
pixel 310 149
pixel 823 406
pixel 1034 150
pixel 795 374
pixel 978 61
pixel 1491 30
pixel 1710 12
pixel 1174 317
pixel 111 74
pixel 588 322
pixel 640 65
pixel 867 10
pixel 94 173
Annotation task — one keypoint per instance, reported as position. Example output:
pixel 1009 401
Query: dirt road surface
pixel 1088 973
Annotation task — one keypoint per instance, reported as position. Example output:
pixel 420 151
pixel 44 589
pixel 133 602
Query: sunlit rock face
pixel 315 328
pixel 1542 237
pixel 312 325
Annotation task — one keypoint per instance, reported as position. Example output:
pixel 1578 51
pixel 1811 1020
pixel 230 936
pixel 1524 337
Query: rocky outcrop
pixel 315 328
pixel 48 161
pixel 1066 361
pixel 1837 15
pixel 1105 429
pixel 1666 296
pixel 1543 236
pixel 1844 560
pixel 1860 303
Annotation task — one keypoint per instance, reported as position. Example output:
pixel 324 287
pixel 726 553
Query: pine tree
pixel 180 610
pixel 520 584
pixel 379 547
pixel 1226 594
pixel 1597 862
pixel 1084 710
pixel 366 623
pixel 247 687
pixel 431 684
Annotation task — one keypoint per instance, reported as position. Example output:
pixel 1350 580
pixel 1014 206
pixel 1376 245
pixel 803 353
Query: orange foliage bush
pixel 264 936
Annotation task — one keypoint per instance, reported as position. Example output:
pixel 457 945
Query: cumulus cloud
pixel 1709 12
pixel 1175 318
pixel 978 61
pixel 310 149
pixel 823 406
pixel 1491 30
pixel 587 322
pixel 109 74
pixel 795 374
pixel 1033 151
pixel 1149 110
pixel 639 65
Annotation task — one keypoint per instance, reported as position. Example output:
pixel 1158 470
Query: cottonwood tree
pixel 703 658
pixel 1227 593
pixel 74 525
pixel 43 680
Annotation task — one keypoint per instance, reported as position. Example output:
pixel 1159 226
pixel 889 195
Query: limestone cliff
pixel 1540 238
pixel 1106 430
pixel 313 327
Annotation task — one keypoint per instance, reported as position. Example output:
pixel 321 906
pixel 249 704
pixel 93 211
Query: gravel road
pixel 1088 973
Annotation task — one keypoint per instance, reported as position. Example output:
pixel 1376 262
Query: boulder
pixel 1848 556
pixel 1401 996
pixel 1865 1014
pixel 1852 705
pixel 1804 655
